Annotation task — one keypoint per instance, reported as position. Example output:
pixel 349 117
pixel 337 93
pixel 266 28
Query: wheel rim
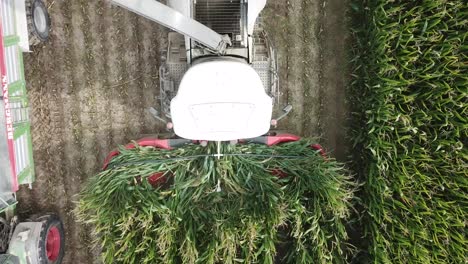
pixel 40 20
pixel 53 244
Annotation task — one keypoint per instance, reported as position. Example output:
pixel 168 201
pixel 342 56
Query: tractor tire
pixel 51 248
pixel 38 21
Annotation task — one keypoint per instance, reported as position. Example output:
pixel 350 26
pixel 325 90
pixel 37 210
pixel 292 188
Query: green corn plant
pixel 410 106
pixel 254 204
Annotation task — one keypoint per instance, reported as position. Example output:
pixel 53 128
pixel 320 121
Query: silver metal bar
pixel 4 202
pixel 286 110
pixel 176 21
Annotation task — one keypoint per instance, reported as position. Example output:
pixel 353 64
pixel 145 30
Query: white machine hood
pixel 219 100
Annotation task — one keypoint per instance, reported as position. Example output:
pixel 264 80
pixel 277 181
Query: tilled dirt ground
pixel 90 87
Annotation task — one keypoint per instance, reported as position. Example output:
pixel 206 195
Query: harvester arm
pixel 176 21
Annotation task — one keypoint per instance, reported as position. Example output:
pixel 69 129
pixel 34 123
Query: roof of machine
pixel 221 99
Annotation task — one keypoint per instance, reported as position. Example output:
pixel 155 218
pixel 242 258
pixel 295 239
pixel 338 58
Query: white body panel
pixel 221 100
pixel 254 9
pixel 25 240
pixel 183 6
pixel 22 25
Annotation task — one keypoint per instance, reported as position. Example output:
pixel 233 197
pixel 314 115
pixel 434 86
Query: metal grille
pixel 264 59
pixel 176 72
pixel 19 112
pixel 223 16
pixel 13 65
pixel 21 155
pixel 8 18
pixel 263 70
pixel 260 45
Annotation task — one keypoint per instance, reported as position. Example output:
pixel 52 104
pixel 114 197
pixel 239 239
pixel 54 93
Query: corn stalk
pixel 255 204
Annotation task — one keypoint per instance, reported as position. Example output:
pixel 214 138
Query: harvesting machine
pixel 218 80
pixel 219 76
pixel 38 239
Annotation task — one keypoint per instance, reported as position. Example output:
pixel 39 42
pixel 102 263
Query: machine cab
pixel 220 99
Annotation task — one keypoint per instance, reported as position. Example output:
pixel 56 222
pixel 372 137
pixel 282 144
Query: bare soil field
pixel 90 87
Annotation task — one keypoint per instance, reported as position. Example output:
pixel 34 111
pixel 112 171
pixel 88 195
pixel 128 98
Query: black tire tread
pixel 47 221
pixel 34 38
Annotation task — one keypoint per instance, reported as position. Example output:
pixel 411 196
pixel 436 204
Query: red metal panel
pixel 8 118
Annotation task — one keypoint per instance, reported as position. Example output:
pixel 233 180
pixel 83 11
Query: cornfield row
pixel 410 81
